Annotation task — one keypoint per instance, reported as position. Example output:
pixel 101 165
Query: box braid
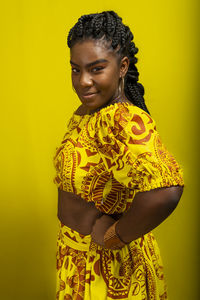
pixel 108 26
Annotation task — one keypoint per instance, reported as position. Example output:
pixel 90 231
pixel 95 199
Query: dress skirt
pixel 88 271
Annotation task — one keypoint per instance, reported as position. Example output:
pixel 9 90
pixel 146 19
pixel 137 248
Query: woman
pixel 116 180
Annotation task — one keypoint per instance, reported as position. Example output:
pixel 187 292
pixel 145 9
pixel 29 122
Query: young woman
pixel 116 180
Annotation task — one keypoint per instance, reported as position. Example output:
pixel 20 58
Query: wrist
pixel 111 239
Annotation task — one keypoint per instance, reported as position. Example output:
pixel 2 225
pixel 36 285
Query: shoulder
pixel 125 116
pixel 125 123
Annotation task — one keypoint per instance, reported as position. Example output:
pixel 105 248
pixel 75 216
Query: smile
pixel 89 95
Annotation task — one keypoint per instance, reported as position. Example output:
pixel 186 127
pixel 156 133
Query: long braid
pixel 108 25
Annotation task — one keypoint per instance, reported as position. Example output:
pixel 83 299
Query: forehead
pixel 85 52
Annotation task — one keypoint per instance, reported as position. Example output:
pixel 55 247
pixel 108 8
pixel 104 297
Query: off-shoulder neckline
pixel 112 105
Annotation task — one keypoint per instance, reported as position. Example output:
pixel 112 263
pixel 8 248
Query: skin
pixel 96 76
pixel 147 211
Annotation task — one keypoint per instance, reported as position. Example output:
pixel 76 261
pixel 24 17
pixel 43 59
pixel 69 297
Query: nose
pixel 85 79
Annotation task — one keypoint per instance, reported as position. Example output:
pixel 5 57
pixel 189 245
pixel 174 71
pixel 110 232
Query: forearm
pixel 147 211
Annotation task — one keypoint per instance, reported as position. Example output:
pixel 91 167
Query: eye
pixel 75 70
pixel 97 69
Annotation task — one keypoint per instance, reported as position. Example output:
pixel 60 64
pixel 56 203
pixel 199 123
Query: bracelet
pixel 111 239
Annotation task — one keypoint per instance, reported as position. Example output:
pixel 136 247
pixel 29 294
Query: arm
pixel 146 212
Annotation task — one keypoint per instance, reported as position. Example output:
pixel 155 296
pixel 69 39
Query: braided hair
pixel 108 27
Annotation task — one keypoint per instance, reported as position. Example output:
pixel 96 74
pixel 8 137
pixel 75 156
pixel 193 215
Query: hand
pixel 99 229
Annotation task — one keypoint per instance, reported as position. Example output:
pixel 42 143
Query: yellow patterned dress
pixel 106 158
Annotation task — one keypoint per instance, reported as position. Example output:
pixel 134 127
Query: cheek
pixel 74 82
pixel 110 80
pixel 111 84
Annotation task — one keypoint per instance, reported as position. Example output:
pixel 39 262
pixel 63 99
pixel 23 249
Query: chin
pixel 92 105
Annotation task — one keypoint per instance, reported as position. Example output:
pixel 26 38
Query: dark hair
pixel 108 26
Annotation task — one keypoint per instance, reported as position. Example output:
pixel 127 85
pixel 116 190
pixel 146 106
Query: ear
pixel 124 64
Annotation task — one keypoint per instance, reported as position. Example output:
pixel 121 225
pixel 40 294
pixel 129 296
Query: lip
pixel 89 95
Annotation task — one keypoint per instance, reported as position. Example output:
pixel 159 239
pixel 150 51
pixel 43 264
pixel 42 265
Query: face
pixel 96 73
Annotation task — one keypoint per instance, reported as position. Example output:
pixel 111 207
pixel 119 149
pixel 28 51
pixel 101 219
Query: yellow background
pixel 37 100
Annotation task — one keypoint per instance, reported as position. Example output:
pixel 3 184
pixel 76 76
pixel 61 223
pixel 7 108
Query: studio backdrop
pixel 36 102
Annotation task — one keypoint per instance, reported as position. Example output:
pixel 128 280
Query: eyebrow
pixel 92 63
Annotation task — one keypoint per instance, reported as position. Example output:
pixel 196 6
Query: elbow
pixel 174 196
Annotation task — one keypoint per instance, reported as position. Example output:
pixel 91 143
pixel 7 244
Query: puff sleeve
pixel 132 150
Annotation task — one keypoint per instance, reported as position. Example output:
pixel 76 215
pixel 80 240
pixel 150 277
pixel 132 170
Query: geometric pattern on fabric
pixel 86 271
pixel 109 156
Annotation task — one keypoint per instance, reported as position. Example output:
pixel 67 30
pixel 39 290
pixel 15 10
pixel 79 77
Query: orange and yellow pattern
pixel 88 271
pixel 106 158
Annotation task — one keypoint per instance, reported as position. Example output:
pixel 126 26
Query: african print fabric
pixel 87 271
pixel 107 158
